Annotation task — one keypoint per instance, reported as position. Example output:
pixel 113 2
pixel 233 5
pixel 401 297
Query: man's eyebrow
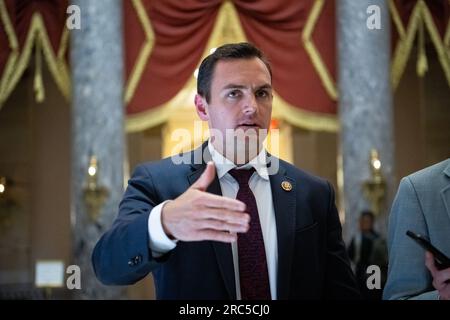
pixel 239 86
pixel 265 86
pixel 233 86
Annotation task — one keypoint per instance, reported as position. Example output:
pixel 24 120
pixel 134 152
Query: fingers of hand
pixel 224 215
pixel 429 262
pixel 215 201
pixel 214 235
pixel 222 226
pixel 199 215
pixel 441 278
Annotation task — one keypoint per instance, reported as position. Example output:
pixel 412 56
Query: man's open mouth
pixel 248 125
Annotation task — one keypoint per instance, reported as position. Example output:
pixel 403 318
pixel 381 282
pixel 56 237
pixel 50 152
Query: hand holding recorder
pixel 438 264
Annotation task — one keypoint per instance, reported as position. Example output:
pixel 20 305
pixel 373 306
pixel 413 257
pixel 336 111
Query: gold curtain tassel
pixel 422 61
pixel 39 89
pixel 422 64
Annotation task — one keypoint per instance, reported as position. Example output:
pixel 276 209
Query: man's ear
pixel 202 107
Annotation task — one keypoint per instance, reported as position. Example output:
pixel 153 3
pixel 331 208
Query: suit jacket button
pixel 138 259
pixel 131 263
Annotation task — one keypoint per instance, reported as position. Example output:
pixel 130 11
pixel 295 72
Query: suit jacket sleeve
pixel 408 277
pixel 122 255
pixel 340 281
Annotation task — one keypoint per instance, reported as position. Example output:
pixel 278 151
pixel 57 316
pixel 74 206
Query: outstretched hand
pixel 198 215
pixel 441 278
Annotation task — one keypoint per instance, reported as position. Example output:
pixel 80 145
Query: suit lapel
pixel 222 250
pixel 284 203
pixel 445 192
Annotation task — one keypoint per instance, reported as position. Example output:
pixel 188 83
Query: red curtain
pixel 276 27
pixel 20 14
pixel 182 29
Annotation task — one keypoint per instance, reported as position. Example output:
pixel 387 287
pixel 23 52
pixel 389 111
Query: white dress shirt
pixel 260 185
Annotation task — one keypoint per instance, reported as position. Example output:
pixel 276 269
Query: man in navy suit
pixel 228 220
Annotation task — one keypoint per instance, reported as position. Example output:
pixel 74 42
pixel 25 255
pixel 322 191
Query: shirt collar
pixel 223 165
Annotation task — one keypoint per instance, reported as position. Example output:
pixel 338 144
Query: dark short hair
pixel 368 213
pixel 232 51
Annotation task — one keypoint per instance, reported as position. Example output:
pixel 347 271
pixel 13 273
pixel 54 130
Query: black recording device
pixel 441 260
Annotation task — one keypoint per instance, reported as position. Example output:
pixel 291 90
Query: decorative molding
pixel 144 53
pixel 314 54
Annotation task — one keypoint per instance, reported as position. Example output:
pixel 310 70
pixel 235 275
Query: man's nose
pixel 250 106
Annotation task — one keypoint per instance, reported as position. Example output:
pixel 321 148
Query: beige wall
pixel 316 152
pixel 144 146
pixel 437 107
pixel 35 144
pixel 50 176
pixel 15 164
pixel 409 119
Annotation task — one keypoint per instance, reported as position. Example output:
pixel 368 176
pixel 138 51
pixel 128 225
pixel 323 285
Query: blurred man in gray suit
pixel 422 205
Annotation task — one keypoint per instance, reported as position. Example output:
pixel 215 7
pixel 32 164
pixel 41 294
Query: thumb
pixel 429 261
pixel 206 178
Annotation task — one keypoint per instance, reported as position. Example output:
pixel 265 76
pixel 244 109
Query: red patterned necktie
pixel 253 273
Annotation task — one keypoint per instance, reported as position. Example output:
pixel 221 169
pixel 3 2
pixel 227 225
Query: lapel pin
pixel 286 185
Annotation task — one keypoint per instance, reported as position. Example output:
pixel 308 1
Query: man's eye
pixel 262 94
pixel 233 94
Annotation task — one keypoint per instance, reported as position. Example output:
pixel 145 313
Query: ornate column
pixel 97 130
pixel 365 103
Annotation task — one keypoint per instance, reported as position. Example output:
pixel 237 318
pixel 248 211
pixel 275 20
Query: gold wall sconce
pixel 374 188
pixel 94 195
